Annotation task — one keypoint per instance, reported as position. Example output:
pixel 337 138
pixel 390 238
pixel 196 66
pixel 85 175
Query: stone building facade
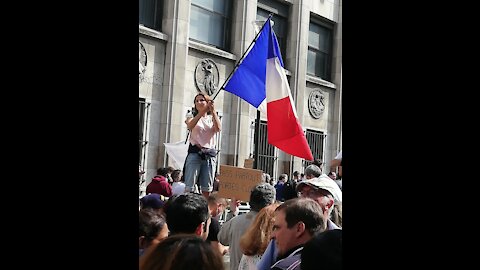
pixel 188 46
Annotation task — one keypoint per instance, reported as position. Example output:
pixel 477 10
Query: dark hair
pixel 262 195
pixel 183 251
pixel 194 108
pixel 185 212
pixel 162 171
pixel 213 198
pixel 176 173
pixel 323 251
pixel 318 162
pixel 150 223
pixel 169 169
pixel 305 210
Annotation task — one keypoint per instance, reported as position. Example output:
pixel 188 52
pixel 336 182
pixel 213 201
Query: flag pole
pixel 241 58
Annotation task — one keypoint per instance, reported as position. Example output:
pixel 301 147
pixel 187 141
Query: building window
pixel 150 14
pixel 319 57
pixel 316 141
pixel 280 19
pixel 143 109
pixel 210 22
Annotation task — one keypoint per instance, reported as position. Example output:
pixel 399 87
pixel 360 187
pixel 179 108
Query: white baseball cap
pixel 323 182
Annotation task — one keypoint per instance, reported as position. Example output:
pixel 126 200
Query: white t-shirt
pixel 178 188
pixel 203 133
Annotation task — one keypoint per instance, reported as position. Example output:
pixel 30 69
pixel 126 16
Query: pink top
pixel 203 133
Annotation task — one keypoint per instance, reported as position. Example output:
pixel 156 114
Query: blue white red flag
pixel 260 80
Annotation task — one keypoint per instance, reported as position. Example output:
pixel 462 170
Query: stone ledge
pixel 211 50
pixel 151 33
pixel 317 80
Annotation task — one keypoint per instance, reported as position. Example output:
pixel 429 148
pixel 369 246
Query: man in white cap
pixel 325 192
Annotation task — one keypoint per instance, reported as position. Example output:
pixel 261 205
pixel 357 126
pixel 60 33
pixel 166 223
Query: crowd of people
pixel 181 230
pixel 293 223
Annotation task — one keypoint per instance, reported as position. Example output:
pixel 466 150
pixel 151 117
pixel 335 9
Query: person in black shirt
pixel 216 206
pixel 289 189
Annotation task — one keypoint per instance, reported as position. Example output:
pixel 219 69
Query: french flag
pixel 260 80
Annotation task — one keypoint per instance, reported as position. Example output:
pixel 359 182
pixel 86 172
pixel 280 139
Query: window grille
pixel 316 141
pixel 267 157
pixel 143 110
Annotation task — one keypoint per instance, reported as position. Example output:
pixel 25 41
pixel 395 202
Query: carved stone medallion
pixel 206 76
pixel 316 103
pixel 142 61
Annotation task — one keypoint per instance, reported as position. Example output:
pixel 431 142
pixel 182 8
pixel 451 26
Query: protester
pixel 319 163
pixel 325 192
pixel 180 252
pixel 216 182
pixel 152 228
pixel 289 189
pixel 178 186
pixel 312 171
pixel 296 176
pixel 216 206
pixel 296 222
pixel 255 240
pixel 187 213
pixel 169 170
pixel 261 196
pixel 279 187
pixel 153 201
pixel 200 164
pixel 333 175
pixel 159 184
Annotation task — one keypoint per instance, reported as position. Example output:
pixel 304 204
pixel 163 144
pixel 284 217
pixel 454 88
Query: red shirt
pixel 160 186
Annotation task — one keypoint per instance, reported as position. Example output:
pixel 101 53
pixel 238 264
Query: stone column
pixel 335 140
pixel 297 48
pixel 240 119
pixel 176 18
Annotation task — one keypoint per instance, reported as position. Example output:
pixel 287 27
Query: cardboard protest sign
pixel 248 163
pixel 237 182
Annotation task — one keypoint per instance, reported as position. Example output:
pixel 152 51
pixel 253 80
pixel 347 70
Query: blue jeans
pixel 199 171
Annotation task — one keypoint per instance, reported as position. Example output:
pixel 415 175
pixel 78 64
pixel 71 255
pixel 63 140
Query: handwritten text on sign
pixel 237 182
